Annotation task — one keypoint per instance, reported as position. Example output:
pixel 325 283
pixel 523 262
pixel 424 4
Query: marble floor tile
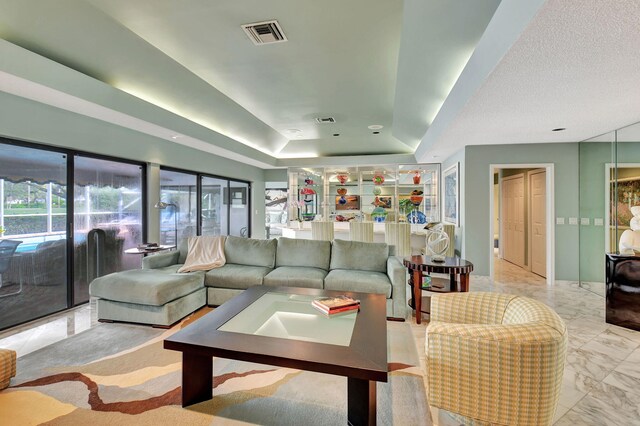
pixel 611 344
pixel 575 386
pixel 630 367
pixel 561 410
pixel 623 381
pixel 590 363
pixel 594 409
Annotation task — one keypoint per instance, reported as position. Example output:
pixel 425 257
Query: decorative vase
pixel 416 178
pixel 378 214
pixel 342 191
pixel 377 191
pixel 416 217
pixel 416 200
pixel 307 191
pixel 342 178
pixel 378 179
pixel 308 217
pixel 308 181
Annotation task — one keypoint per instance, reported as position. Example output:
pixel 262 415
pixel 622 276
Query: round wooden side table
pixel 452 266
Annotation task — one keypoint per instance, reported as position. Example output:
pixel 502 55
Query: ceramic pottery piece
pixel 378 214
pixel 416 178
pixel 416 216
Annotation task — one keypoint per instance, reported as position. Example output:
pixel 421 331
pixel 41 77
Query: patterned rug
pixel 117 374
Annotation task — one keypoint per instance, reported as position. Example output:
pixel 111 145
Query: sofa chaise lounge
pixel 157 294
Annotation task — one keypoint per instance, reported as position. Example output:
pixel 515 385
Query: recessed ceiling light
pixel 376 133
pixel 175 136
pixel 559 129
pixel 376 127
pixel 293 131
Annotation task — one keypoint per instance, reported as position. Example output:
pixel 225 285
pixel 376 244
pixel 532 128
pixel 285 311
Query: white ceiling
pixel 342 59
pixel 488 76
pixel 576 65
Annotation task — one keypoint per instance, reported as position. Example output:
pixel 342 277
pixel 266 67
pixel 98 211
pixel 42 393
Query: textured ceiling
pixel 576 65
pixel 341 60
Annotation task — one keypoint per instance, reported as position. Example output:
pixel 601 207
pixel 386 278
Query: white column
pixel 1 202
pixel 49 209
pixel 153 191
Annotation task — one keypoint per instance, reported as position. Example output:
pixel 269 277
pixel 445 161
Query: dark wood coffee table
pixel 355 345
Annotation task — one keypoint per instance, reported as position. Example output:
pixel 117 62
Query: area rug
pixel 117 374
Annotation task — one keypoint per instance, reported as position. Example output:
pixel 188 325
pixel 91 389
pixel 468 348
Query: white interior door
pixel 537 202
pixel 513 219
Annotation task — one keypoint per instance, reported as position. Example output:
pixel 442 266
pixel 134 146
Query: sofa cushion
pixel 236 276
pixel 251 252
pixel 362 281
pixel 296 276
pixel 146 286
pixel 183 249
pixel 359 256
pixel 311 253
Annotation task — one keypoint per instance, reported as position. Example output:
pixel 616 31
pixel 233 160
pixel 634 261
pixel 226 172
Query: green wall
pixel 28 120
pixel 276 175
pixel 477 244
pixel 593 158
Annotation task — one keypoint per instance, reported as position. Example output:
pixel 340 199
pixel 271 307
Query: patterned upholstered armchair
pixel 7 367
pixel 495 358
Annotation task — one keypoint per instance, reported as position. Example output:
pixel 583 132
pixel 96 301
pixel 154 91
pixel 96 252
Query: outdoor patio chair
pixel 7 249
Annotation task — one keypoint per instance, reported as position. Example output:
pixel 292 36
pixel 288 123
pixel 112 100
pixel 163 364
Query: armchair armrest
pixel 469 308
pixel 397 274
pixel 472 367
pixel 160 260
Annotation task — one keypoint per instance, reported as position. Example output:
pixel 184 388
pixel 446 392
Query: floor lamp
pixel 162 205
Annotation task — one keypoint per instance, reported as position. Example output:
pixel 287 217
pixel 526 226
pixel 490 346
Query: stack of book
pixel 335 305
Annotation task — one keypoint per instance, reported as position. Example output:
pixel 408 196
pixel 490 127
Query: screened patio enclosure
pixel 54 231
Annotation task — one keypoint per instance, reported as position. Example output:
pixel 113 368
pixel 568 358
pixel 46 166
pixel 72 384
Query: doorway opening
pixel 521 223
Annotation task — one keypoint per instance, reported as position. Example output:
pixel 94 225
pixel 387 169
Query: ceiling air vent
pixel 264 32
pixel 325 120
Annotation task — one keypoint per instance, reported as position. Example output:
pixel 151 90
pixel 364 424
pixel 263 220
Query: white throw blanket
pixel 204 253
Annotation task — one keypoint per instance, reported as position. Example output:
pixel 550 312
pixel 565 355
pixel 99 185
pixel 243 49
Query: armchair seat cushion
pixel 154 287
pixel 296 276
pixel 362 281
pixel 236 276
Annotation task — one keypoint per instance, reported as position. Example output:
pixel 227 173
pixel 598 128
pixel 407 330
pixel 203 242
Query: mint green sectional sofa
pixel 159 295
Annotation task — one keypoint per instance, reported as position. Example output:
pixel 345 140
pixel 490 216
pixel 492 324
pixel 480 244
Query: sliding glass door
pixel 108 219
pixel 215 214
pixel 223 205
pixel 239 209
pixel 179 190
pixel 33 233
